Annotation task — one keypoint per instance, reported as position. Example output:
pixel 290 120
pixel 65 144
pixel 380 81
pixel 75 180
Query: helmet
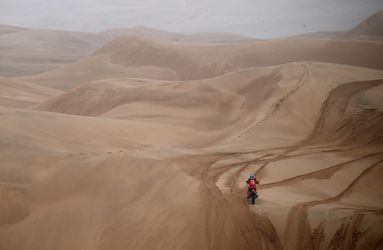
pixel 252 176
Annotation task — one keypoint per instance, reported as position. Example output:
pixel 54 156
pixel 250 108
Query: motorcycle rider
pixel 252 185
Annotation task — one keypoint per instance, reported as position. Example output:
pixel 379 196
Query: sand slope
pixel 249 97
pixel 5 29
pixel 96 68
pixel 194 142
pixel 22 94
pixel 368 29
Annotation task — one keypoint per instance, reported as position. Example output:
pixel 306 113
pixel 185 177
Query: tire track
pixel 230 224
pixel 331 118
pixel 317 174
pixel 275 108
pixel 297 223
pixel 297 229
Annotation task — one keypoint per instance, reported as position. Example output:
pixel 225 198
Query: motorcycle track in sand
pixel 231 224
pixel 297 219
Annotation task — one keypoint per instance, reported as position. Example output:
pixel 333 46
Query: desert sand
pixel 144 139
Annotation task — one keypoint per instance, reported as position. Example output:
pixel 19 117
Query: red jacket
pixel 252 184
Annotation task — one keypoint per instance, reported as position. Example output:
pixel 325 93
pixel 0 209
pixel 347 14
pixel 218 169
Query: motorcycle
pixel 252 196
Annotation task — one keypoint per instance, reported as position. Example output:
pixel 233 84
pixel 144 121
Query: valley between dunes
pixel 147 143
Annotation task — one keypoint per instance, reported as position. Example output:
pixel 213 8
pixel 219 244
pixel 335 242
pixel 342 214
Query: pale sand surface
pixel 147 143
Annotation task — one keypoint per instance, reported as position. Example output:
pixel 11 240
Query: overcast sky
pixel 258 18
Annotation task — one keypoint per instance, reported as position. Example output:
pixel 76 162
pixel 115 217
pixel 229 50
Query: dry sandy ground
pixel 124 150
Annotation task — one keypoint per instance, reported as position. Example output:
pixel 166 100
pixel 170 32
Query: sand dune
pixel 241 94
pixel 5 29
pixel 146 32
pixel 185 58
pixel 147 145
pixel 96 68
pixel 369 29
pixel 131 57
pixel 204 144
pixel 31 51
pixel 22 94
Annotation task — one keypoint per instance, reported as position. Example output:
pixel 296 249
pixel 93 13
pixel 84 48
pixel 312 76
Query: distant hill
pixel 197 61
pixel 133 57
pixel 146 32
pixel 371 27
pixel 31 51
pixel 5 29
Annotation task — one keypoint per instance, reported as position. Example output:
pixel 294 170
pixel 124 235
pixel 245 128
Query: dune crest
pixel 370 28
